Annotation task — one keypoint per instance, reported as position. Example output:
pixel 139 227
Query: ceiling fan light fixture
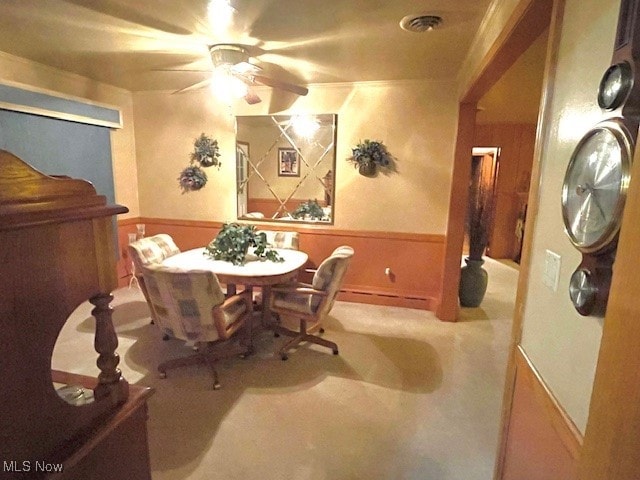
pixel 224 54
pixel 419 23
pixel 225 86
pixel 305 126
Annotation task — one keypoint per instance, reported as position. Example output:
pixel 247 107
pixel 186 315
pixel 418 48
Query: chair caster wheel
pixel 276 334
pixel 284 357
pixel 165 337
pixel 162 375
pixel 321 330
pixel 335 352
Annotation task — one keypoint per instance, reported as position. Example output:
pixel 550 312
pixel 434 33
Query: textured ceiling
pixel 125 42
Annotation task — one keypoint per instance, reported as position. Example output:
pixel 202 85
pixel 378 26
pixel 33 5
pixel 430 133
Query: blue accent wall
pixel 60 147
pixel 26 98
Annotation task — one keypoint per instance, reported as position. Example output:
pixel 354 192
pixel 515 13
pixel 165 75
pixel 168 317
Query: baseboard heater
pixel 413 300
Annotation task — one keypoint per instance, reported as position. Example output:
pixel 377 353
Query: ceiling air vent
pixel 420 23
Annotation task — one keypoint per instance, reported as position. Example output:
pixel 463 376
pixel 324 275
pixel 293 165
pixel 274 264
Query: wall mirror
pixel 286 167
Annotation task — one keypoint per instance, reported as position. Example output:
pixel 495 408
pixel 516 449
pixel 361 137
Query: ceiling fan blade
pixel 272 82
pixel 180 70
pixel 252 98
pixel 246 68
pixel 128 14
pixel 195 86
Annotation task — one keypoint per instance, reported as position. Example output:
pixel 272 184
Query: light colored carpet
pixel 409 397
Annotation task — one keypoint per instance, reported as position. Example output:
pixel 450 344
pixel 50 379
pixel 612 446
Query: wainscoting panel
pixel 542 442
pixel 414 261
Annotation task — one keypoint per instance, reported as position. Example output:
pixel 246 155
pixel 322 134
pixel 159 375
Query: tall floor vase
pixel 473 283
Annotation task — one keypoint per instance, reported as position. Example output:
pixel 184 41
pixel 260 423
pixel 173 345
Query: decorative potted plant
pixel 369 155
pixel 233 241
pixel 310 209
pixel 206 151
pixel 205 154
pixel 474 278
pixel 192 178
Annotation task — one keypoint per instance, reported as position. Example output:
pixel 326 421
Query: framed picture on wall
pixel 288 162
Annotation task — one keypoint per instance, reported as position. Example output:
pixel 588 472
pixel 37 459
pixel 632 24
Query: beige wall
pixel 23 71
pixel 416 120
pixel 563 345
pixel 515 97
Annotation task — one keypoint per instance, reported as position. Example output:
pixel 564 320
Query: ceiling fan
pixel 233 67
pixel 233 70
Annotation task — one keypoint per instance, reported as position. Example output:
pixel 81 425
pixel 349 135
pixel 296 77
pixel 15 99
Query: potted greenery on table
pixel 233 241
pixel 310 209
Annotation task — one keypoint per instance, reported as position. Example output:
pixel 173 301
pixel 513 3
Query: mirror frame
pixel 246 143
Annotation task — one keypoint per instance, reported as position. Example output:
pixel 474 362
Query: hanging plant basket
pixel 368 169
pixel 369 156
pixel 192 178
pixel 206 152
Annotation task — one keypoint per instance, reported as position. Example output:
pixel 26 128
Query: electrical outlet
pixel 551 273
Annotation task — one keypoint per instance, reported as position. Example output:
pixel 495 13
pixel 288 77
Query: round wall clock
pixel 615 86
pixel 595 186
pixel 593 197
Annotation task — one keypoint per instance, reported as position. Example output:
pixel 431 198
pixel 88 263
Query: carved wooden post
pixel 110 380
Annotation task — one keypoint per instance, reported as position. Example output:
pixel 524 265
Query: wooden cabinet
pixel 56 251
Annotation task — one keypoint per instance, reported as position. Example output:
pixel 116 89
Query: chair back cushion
pixel 276 239
pixel 184 302
pixel 343 249
pixel 329 278
pixel 150 250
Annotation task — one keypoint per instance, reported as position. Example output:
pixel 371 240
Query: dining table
pixel 254 272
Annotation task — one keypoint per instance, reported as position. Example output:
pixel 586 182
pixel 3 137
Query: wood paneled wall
pixel 415 261
pixel 516 142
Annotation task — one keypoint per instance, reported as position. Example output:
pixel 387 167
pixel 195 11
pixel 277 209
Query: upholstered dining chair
pixel 190 305
pixel 310 303
pixel 277 239
pixel 147 251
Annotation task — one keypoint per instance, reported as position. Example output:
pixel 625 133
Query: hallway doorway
pixel 483 178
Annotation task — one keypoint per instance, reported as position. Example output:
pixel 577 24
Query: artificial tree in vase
pixel 474 278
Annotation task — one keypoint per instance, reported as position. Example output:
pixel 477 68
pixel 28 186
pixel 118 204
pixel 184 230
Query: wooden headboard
pixel 56 251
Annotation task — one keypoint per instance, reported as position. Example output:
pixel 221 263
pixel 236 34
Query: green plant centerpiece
pixel 233 242
pixel 369 155
pixel 309 209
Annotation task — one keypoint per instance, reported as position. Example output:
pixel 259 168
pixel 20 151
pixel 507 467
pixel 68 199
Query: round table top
pixel 254 272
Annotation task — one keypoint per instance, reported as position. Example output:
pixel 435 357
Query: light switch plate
pixel 551 273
